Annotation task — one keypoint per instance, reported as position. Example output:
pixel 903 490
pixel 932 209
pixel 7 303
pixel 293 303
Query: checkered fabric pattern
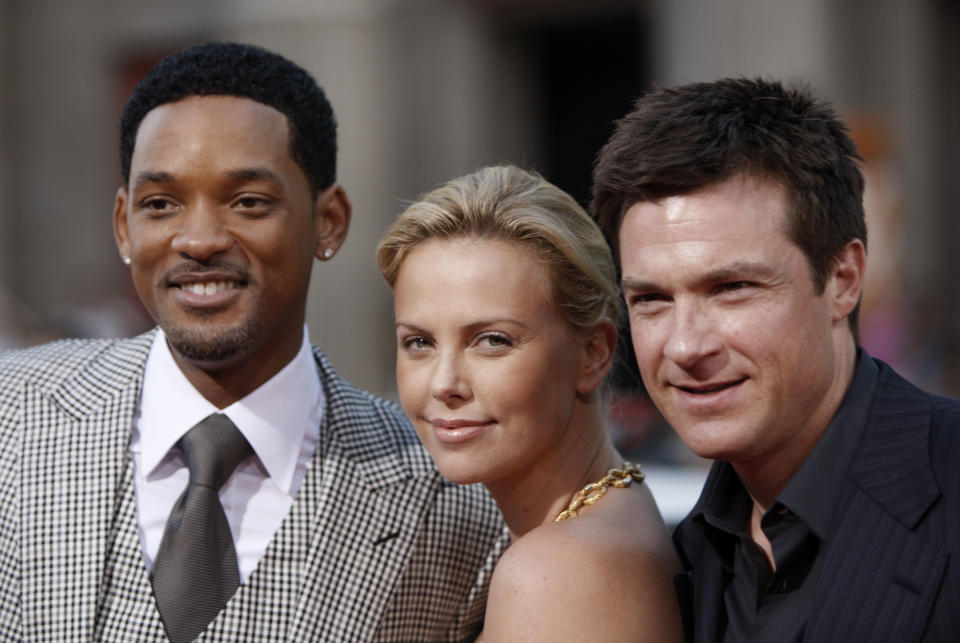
pixel 377 546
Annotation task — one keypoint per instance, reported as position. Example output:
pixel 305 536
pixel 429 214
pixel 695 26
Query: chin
pixel 461 474
pixel 714 442
pixel 213 348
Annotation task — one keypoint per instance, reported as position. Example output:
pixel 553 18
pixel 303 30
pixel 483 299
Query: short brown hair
pixel 679 140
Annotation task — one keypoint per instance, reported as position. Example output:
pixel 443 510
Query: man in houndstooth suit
pixel 343 528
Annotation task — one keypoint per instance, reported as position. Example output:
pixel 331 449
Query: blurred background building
pixel 428 89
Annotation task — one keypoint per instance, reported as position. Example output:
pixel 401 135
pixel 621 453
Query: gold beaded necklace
pixel 591 493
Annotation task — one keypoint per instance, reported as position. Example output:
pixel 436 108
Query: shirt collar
pixel 722 511
pixel 812 491
pixel 276 418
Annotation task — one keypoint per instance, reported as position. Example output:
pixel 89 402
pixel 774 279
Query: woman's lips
pixel 459 431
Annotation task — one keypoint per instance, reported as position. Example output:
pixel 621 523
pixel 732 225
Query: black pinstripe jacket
pixel 377 546
pixel 891 570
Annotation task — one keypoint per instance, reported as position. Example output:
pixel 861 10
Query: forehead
pixel 735 218
pixel 204 128
pixel 448 273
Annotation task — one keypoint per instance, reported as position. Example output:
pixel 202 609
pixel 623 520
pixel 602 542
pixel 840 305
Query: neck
pixel 536 496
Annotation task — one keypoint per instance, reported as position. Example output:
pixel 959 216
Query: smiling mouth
pixel 207 287
pixel 713 388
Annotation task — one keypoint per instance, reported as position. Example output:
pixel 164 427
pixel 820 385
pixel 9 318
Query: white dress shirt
pixel 281 421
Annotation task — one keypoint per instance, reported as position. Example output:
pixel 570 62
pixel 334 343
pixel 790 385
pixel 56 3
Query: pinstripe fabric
pixel 891 568
pixel 376 546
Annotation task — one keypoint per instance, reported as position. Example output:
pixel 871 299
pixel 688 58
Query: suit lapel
pixel 127 610
pixel 74 453
pixel 879 579
pixel 367 507
pixel 361 536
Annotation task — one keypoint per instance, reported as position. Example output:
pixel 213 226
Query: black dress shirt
pixel 766 605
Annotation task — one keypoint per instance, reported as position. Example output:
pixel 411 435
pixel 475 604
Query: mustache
pixel 214 265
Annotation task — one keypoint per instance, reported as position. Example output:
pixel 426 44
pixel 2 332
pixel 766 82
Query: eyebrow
pixel 152 177
pixel 735 271
pixel 254 174
pixel 739 270
pixel 636 284
pixel 241 174
pixel 412 327
pixel 471 326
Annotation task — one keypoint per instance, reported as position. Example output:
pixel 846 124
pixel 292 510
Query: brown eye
pixel 249 202
pixel 155 206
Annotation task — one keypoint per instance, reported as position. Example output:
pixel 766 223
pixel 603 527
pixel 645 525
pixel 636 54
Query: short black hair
pixel 247 71
pixel 678 140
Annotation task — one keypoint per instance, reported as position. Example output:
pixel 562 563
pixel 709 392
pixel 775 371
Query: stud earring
pixel 327 253
pixel 126 260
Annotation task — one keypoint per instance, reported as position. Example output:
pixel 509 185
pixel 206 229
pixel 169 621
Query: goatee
pixel 213 345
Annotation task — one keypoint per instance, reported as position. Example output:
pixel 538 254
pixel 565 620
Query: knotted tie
pixel 196 571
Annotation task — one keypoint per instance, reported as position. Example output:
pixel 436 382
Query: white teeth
pixel 208 288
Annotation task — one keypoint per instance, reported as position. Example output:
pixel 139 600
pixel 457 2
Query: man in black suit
pixel 832 511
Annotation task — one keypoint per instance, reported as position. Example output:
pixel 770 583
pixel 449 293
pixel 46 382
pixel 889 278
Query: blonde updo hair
pixel 509 204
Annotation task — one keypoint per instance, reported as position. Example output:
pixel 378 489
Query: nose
pixel 201 234
pixel 693 336
pixel 450 381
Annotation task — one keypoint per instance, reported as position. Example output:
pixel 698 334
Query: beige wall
pixel 4 145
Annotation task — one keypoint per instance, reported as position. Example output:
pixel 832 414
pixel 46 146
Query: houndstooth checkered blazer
pixel 377 546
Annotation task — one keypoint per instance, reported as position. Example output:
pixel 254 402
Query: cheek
pixel 267 248
pixel 143 283
pixel 151 235
pixel 644 337
pixel 142 279
pixel 543 388
pixel 770 334
pixel 410 386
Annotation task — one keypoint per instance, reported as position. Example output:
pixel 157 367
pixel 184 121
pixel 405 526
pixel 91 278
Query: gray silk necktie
pixel 196 571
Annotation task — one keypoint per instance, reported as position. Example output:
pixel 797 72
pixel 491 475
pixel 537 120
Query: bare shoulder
pixel 604 575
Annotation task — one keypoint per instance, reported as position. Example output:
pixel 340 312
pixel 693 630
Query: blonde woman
pixel 506 304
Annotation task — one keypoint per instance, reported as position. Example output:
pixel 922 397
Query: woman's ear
pixel 598 350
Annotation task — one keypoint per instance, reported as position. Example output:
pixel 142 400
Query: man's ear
pixel 846 279
pixel 120 232
pixel 596 359
pixel 332 210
